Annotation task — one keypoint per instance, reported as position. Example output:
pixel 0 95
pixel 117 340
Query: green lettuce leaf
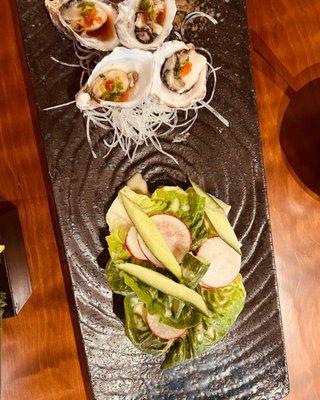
pixel 148 205
pixel 175 198
pixel 138 330
pixel 228 300
pixel 171 311
pixel 116 245
pixel 226 304
pixel 193 269
pixel 195 220
pixel 115 279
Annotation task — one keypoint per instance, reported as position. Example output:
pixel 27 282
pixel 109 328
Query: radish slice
pixel 176 234
pixel 206 287
pixel 132 244
pixel 225 263
pixel 162 330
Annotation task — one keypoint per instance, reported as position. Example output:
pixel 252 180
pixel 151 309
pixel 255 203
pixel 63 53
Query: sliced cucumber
pixel 165 285
pixel 218 219
pixel 151 236
pixel 226 207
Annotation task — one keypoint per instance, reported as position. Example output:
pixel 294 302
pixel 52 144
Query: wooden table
pixel 40 356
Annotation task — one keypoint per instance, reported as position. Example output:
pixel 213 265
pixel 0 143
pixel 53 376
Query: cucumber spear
pixel 151 236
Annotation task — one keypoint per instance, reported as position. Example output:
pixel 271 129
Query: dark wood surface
pixel 40 359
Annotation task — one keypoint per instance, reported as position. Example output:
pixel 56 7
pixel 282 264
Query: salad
pixel 176 260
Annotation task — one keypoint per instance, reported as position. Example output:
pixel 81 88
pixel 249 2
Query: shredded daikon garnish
pixel 88 58
pixel 59 105
pixel 131 127
pixel 192 16
pixel 65 63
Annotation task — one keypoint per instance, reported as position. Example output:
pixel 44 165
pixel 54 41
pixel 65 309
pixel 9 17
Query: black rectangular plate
pixel 250 363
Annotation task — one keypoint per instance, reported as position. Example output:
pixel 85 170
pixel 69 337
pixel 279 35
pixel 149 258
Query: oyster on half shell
pixel 91 23
pixel 145 24
pixel 122 78
pixel 180 75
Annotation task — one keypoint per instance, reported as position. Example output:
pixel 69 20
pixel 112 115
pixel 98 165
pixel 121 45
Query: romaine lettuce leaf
pixel 175 198
pixel 193 269
pixel 116 217
pixel 115 279
pixel 226 304
pixel 116 245
pixel 195 219
pixel 228 300
pixel 138 330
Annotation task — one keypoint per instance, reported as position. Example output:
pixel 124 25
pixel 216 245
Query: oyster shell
pixel 122 78
pixel 91 23
pixel 180 75
pixel 145 24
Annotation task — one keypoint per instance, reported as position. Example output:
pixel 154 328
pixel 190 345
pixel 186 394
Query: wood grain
pixel 286 55
pixel 39 358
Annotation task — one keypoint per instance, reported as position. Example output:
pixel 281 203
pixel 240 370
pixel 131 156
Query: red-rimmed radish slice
pixel 225 263
pixel 176 234
pixel 162 330
pixel 132 244
pixel 206 287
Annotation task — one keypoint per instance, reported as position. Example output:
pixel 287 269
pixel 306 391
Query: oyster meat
pixel 122 78
pixel 145 24
pixel 91 23
pixel 180 75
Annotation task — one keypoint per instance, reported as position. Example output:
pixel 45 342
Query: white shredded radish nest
pixel 131 127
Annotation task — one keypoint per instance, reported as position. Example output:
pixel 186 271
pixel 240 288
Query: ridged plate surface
pixel 250 363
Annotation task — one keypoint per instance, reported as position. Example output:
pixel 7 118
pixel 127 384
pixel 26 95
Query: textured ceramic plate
pixel 250 363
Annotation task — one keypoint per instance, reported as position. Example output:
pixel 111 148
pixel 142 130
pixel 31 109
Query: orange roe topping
pixel 124 96
pixel 90 17
pixel 186 69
